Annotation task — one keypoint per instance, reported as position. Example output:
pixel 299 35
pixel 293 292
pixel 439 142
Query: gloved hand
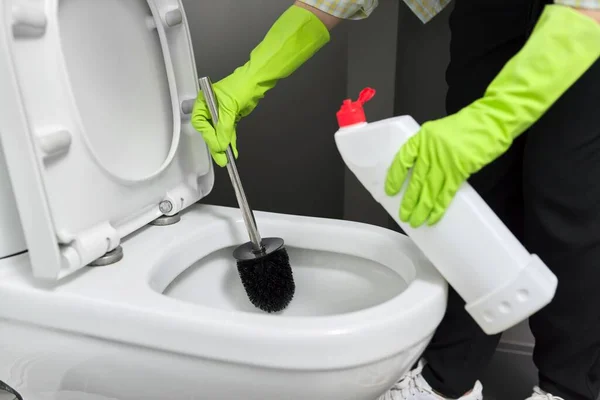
pixel 291 41
pixel 445 152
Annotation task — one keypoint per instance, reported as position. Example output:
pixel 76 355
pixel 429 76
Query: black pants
pixel 546 189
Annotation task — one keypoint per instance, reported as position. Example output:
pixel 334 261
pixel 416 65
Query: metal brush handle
pixel 211 101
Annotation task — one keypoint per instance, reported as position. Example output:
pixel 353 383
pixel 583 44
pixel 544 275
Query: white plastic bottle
pixel 500 281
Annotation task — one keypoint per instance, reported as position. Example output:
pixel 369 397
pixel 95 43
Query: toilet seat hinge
pixel 90 245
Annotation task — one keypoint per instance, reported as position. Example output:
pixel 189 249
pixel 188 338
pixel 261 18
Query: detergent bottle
pixel 500 281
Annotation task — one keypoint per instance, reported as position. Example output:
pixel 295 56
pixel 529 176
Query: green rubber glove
pixel 445 152
pixel 294 38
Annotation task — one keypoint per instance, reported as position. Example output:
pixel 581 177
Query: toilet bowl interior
pixel 339 267
pixel 328 283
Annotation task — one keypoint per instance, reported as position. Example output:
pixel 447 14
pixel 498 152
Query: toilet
pixel 116 275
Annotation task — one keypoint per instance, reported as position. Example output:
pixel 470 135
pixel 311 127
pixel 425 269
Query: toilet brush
pixel 263 263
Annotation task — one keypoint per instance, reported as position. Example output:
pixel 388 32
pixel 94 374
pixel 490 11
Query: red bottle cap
pixel 352 112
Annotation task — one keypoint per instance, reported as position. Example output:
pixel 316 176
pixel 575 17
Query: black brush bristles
pixel 268 280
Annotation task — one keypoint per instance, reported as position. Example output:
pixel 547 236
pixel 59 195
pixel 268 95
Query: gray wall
pixel 288 158
pixel 371 62
pixel 288 161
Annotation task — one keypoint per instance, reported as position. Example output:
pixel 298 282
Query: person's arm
pixel 590 8
pixel 291 41
pixel 328 20
pixel 332 12
pixel 594 14
pixel 444 153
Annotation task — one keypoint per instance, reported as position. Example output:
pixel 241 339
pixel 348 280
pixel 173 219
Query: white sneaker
pixel 539 394
pixel 413 386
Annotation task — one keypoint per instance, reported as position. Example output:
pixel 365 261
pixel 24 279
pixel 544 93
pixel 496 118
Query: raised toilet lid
pixel 94 120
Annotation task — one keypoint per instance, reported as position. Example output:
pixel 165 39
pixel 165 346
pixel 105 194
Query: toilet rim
pixel 227 230
pixel 115 304
pixel 181 253
pixel 158 255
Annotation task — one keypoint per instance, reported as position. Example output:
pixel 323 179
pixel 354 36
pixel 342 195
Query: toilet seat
pixel 95 126
pixel 114 303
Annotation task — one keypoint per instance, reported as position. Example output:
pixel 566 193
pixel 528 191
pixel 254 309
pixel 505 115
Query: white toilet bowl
pixel 128 289
pixel 366 305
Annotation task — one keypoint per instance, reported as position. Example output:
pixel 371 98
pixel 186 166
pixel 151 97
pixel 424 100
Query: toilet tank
pixel 12 240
